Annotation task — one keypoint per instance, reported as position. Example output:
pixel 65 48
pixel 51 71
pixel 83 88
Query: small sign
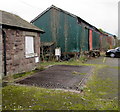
pixel 37 60
pixel 57 52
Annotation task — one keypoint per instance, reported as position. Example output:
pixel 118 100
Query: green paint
pixel 96 40
pixel 64 30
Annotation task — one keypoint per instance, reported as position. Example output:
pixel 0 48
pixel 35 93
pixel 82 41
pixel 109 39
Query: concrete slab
pixel 59 76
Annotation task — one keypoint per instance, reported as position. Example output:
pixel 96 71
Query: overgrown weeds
pixel 14 77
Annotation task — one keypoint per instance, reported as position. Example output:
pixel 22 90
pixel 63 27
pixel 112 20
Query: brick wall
pixel 16 61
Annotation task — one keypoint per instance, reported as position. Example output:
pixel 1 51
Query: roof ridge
pixel 66 12
pixel 10 19
pixel 52 6
pixel 11 13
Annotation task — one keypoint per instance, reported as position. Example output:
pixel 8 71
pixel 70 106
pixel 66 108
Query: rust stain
pixel 90 39
pixel 66 32
pixel 54 23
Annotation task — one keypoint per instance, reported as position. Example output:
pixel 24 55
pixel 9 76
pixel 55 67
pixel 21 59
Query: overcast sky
pixel 100 13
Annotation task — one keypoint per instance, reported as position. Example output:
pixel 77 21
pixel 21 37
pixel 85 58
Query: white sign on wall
pixel 37 60
pixel 58 52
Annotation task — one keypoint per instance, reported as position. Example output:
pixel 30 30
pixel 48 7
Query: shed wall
pixel 70 33
pixel 64 30
pixel 16 61
pixel 96 40
pixel 1 55
pixel 103 43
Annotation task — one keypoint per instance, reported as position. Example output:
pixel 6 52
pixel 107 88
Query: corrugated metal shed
pixel 67 31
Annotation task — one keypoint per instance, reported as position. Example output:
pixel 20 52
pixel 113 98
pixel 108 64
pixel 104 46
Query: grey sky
pixel 100 13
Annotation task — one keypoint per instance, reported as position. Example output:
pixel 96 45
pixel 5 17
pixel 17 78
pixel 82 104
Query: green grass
pixel 19 76
pixel 15 76
pixel 40 68
pixel 37 98
pixel 72 61
pixel 34 98
pixel 96 94
pixel 0 98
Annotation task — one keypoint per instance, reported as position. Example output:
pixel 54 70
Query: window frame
pixel 31 53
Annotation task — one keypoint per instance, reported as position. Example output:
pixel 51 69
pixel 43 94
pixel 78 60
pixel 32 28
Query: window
pixel 29 46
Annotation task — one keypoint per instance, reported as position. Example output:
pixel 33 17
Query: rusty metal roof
pixel 13 20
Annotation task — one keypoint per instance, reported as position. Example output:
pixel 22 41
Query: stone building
pixel 0 53
pixel 20 43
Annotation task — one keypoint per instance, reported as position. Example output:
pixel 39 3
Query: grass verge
pixel 94 97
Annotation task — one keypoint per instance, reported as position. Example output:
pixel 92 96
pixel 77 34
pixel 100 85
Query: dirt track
pixel 59 76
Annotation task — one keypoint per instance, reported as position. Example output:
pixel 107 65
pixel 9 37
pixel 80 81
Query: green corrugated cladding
pixel 95 40
pixel 44 23
pixel 64 30
pixel 84 39
pixel 103 43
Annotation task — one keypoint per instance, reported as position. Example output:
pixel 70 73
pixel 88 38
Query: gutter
pixel 23 28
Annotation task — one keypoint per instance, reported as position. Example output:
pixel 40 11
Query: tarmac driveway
pixel 59 76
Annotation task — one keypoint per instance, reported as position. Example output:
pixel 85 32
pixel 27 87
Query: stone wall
pixel 16 61
pixel 1 54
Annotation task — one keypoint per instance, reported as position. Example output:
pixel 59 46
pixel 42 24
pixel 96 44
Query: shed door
pixel 90 39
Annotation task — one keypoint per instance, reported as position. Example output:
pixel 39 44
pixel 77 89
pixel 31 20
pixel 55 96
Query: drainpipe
pixel 4 51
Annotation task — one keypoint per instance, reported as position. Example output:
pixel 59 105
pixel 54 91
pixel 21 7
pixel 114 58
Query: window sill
pixel 31 55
